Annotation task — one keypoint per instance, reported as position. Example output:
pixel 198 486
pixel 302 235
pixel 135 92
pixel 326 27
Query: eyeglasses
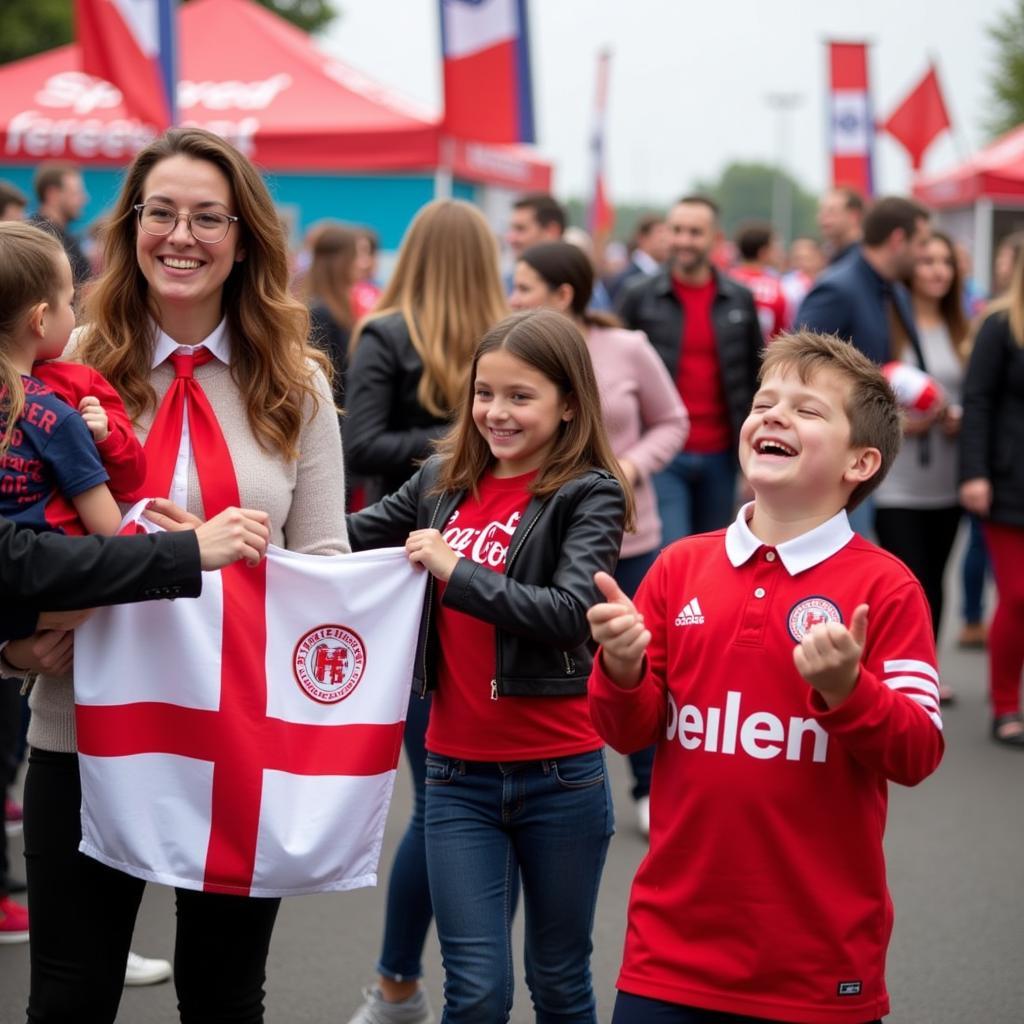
pixel 205 226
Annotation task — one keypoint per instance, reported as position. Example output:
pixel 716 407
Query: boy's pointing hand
pixel 828 657
pixel 619 628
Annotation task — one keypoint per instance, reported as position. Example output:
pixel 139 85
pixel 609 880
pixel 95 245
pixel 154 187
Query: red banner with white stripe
pixel 852 120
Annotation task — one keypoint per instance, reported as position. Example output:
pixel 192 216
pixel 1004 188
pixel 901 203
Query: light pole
pixel 782 103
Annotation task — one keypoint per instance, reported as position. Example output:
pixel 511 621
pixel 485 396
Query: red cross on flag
pixel 247 741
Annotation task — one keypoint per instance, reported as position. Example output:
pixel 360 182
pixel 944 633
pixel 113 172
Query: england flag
pixel 247 741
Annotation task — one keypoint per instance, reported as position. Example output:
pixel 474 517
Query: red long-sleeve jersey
pixel 764 889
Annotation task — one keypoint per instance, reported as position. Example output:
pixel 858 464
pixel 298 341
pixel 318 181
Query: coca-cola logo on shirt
pixel 487 546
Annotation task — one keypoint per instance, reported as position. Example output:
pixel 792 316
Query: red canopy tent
pixel 982 200
pixel 260 82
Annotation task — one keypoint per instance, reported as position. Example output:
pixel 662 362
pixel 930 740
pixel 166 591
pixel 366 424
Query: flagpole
pixel 168 23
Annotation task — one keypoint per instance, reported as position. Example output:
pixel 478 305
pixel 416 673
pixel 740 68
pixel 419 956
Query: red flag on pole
pixel 919 118
pixel 601 215
pixel 852 122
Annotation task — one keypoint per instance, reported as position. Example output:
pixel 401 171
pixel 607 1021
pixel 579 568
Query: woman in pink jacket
pixel 643 414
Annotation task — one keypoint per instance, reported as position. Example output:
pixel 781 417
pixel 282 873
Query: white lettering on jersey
pixel 488 546
pixel 691 614
pixel 761 734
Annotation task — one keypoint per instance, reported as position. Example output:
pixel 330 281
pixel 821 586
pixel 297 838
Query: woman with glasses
pixel 195 287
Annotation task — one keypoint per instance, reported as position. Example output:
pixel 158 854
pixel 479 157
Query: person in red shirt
pixel 525 502
pixel 757 270
pixel 786 668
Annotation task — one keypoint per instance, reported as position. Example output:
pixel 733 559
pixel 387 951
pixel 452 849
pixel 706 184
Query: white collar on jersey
pixel 800 553
pixel 218 342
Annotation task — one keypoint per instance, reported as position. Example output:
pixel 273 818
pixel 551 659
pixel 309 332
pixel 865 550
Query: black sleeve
pixel 554 614
pixel 626 302
pixel 389 521
pixel 51 572
pixel 371 448
pixel 982 384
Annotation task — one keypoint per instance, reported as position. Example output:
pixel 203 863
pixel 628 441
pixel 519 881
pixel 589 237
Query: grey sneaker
pixel 414 1010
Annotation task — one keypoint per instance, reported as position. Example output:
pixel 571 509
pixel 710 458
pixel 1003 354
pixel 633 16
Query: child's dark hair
pixel 872 409
pixel 29 275
pixel 551 344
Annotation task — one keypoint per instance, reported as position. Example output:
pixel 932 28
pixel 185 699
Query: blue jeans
pixel 975 567
pixel 630 1009
pixel 490 824
pixel 696 493
pixel 409 911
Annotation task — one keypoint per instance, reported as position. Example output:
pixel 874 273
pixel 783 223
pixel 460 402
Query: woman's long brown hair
pixel 333 272
pixel 550 343
pixel 447 286
pixel 271 360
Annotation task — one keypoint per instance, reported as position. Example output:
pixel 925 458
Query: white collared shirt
pixel 164 346
pixel 800 553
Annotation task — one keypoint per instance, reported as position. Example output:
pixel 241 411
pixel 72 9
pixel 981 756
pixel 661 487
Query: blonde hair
pixel 1012 301
pixel 447 286
pixel 332 271
pixel 552 344
pixel 29 275
pixel 272 362
pixel 871 408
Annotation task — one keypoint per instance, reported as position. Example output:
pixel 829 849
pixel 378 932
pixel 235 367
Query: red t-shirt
pixel 465 721
pixel 698 376
pixel 769 298
pixel 764 891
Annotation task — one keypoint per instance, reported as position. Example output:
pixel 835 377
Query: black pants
pixel 630 1009
pixel 10 725
pixel 922 538
pixel 83 914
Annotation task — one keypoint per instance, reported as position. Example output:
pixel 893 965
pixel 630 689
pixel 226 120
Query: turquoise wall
pixel 385 202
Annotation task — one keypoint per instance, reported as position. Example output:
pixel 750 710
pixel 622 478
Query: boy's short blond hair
pixel 874 415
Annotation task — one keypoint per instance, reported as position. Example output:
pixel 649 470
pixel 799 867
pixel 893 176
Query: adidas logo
pixel 691 614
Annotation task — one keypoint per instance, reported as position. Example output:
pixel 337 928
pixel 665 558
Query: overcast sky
pixel 689 79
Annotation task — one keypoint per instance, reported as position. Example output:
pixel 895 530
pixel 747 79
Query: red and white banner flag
pixel 265 769
pixel 488 94
pixel 852 118
pixel 920 118
pixel 601 214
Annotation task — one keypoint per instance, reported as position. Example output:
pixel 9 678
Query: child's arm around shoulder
pixel 875 686
pixel 627 687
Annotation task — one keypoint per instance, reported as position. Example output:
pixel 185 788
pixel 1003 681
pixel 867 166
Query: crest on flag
pixel 329 662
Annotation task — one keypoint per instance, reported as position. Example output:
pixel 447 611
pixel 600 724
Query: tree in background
pixel 32 26
pixel 1006 81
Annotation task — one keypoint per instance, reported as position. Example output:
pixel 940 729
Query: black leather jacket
pixel 649 304
pixel 386 429
pixel 538 606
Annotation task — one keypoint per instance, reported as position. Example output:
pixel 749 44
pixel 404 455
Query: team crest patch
pixel 806 614
pixel 329 662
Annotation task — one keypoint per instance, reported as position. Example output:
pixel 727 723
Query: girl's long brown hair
pixel 29 274
pixel 332 272
pixel 951 307
pixel 271 360
pixel 447 286
pixel 551 344
pixel 1012 302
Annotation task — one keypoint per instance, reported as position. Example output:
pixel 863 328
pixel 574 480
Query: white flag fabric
pixel 247 741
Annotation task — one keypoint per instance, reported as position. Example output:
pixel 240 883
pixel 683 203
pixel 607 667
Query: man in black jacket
pixel 704 326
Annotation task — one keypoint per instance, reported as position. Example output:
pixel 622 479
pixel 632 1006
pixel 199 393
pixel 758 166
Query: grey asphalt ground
pixel 956 869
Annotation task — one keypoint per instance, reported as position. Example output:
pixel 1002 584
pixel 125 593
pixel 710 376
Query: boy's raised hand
pixel 619 628
pixel 828 657
pixel 95 417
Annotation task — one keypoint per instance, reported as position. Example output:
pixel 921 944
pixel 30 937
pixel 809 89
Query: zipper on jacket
pixel 430 607
pixel 508 564
pixel 570 665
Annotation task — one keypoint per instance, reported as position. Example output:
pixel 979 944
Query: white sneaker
pixel 375 1010
pixel 141 970
pixel 643 816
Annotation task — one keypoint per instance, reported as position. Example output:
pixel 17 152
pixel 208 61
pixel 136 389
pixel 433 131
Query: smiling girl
pixel 524 503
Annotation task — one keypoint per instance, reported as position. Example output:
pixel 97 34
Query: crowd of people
pixel 681 458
